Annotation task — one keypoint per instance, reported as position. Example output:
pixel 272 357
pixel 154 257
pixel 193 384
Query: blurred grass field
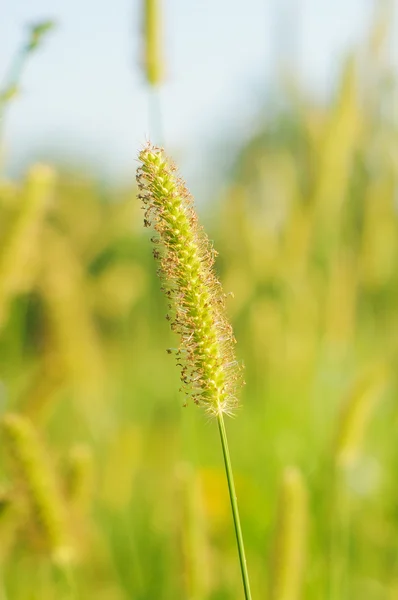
pixel 307 233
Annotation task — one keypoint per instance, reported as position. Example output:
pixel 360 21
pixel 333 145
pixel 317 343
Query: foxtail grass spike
pixel 73 333
pixel 210 372
pixel 291 538
pixel 40 485
pixel 153 64
pixel 153 42
pixel 356 413
pixel 18 252
pixel 12 518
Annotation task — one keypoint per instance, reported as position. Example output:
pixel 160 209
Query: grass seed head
pixel 358 408
pixel 210 372
pixel 40 485
pixel 20 249
pixel 153 62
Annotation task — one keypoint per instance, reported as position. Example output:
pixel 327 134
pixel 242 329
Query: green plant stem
pixel 12 80
pixel 155 115
pixel 234 506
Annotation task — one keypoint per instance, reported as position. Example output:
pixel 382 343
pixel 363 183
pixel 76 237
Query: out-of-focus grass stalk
pixel 341 301
pixel 153 63
pixel 38 481
pixel 12 515
pixel 336 156
pixel 72 329
pixel 376 59
pixel 356 413
pixel 79 491
pixel 357 410
pixel 379 233
pixel 36 400
pixel 153 42
pixel 10 87
pixel 289 555
pixel 209 371
pixel 18 254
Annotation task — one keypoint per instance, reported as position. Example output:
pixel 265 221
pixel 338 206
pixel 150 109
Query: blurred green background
pixel 135 499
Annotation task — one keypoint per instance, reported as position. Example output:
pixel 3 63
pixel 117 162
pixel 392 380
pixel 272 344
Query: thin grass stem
pixel 155 115
pixel 234 506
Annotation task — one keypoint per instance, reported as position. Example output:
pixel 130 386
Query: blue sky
pixel 84 91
